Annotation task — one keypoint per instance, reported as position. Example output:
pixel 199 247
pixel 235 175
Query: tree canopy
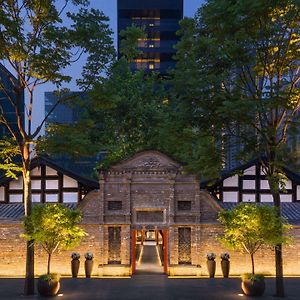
pixel 54 227
pixel 248 227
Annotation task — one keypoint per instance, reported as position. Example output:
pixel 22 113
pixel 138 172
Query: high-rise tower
pixel 9 101
pixel 160 18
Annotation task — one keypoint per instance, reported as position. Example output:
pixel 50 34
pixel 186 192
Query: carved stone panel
pixel 184 245
pixel 114 245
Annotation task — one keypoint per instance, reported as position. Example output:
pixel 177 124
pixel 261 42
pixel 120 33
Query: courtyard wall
pixel 12 255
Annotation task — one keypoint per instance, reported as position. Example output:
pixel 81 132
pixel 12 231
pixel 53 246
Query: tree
pixel 122 114
pixel 37 46
pixel 54 227
pixel 244 59
pixel 248 227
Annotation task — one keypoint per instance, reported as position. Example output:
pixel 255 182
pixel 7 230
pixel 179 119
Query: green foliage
pixel 252 277
pixel 53 226
pixel 129 41
pixel 50 277
pixel 242 61
pixel 36 45
pixel 8 153
pixel 248 227
pixel 122 114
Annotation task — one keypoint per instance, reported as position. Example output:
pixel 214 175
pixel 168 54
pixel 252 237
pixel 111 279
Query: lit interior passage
pixel 149 252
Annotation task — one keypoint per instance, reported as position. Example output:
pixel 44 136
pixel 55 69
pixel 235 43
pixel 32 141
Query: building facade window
pixel 184 246
pixel 114 245
pixel 114 205
pixel 184 205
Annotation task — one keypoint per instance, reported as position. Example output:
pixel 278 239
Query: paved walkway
pixel 149 287
pixel 150 261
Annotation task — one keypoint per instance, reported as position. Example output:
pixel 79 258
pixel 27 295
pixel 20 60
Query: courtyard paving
pixel 152 287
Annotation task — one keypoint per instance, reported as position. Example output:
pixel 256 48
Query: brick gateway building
pixel 147 195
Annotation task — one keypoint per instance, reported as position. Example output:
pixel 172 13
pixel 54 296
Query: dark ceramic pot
pixel 75 267
pixel 211 268
pixel 88 266
pixel 253 287
pixel 48 288
pixel 225 266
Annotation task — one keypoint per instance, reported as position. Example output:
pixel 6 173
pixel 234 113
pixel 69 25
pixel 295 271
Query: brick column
pixel 165 245
pixel 133 251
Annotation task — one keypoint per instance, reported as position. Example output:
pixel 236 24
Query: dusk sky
pixel 109 7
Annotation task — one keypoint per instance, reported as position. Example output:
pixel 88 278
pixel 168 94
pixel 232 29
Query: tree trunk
pixel 278 253
pixel 29 277
pixel 252 262
pixel 48 266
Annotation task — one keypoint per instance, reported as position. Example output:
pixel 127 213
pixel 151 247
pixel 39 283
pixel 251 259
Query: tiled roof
pixel 15 211
pixel 290 210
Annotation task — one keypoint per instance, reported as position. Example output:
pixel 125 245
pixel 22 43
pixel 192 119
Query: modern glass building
pixel 160 18
pixel 67 112
pixel 8 82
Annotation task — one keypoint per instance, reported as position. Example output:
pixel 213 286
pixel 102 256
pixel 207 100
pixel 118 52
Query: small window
pixel 114 205
pixel 151 45
pixel 151 66
pixel 184 205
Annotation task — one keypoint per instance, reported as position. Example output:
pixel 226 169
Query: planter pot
pixel 225 266
pixel 75 267
pixel 48 288
pixel 211 268
pixel 88 266
pixel 253 287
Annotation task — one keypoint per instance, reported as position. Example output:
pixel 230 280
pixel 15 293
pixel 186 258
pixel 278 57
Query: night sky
pixel 109 7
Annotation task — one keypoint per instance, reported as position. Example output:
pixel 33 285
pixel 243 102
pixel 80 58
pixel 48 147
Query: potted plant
pixel 247 227
pixel 225 264
pixel 75 263
pixel 88 265
pixel 53 226
pixel 211 264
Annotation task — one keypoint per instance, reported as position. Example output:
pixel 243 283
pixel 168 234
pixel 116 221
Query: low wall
pixel 12 255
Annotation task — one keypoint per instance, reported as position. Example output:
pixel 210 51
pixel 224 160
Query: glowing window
pixel 151 66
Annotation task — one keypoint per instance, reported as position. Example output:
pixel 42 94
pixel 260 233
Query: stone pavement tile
pixel 150 287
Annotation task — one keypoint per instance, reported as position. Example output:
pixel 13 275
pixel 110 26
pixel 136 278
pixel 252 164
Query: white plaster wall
pixel 266 198
pixel 69 197
pixel 230 196
pixel 248 197
pixel 285 198
pixel 16 198
pixel 264 185
pixel 36 197
pixel 51 198
pixel 50 171
pixel 288 185
pixel 249 184
pixel 69 182
pixel 2 189
pixel 36 171
pixel 250 171
pixel 231 181
pixel 35 184
pixel 51 184
pixel 16 184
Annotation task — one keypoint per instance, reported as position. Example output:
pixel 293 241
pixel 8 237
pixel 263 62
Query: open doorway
pixel 149 252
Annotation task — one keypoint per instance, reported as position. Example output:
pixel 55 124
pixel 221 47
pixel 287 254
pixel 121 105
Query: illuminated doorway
pixel 149 252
